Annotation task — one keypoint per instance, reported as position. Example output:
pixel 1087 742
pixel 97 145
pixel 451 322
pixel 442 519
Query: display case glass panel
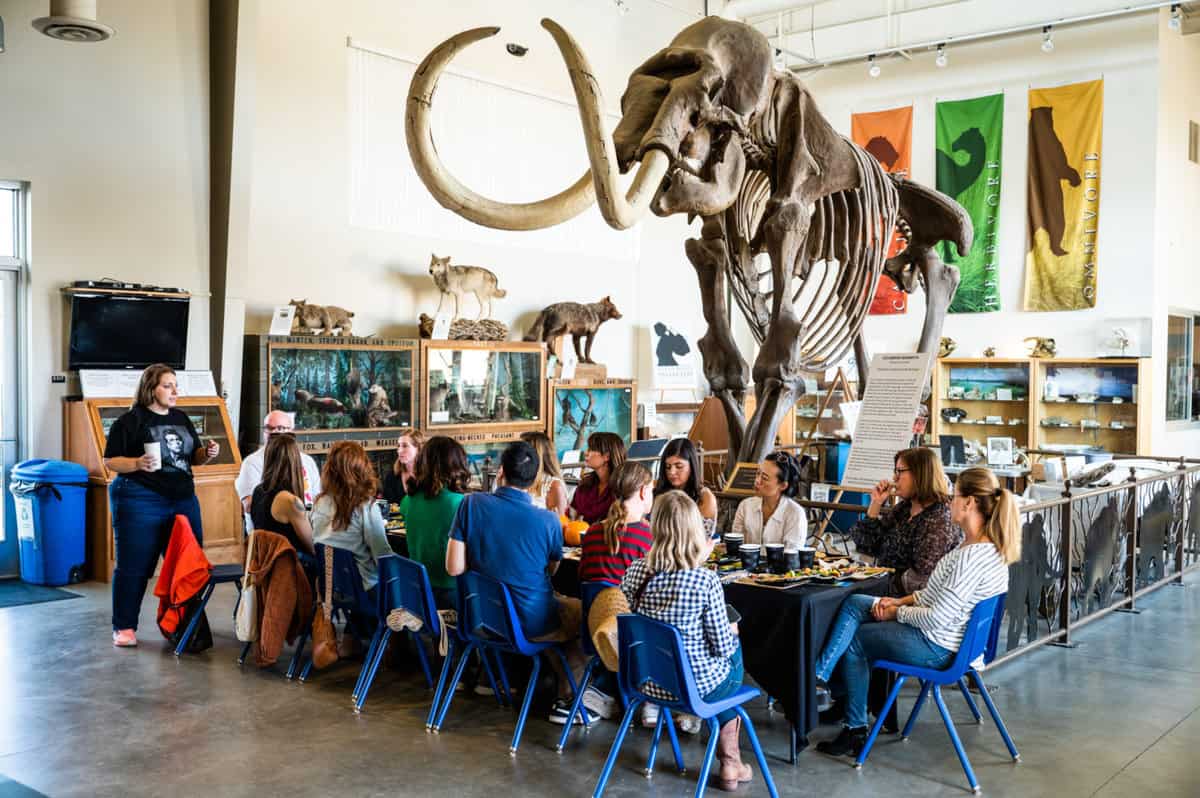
pixel 580 410
pixel 342 388
pixel 483 386
pixel 206 418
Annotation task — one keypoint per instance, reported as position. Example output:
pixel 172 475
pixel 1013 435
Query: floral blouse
pixel 911 545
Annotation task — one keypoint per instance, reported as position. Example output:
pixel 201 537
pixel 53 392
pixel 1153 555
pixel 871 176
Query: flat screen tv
pixel 110 331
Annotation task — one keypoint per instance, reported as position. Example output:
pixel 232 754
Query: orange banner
pixel 887 135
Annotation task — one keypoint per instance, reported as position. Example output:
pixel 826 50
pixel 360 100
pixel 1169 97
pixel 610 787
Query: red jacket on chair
pixel 185 572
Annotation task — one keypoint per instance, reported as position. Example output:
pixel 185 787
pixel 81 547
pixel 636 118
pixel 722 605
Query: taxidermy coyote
pixel 459 280
pixel 571 317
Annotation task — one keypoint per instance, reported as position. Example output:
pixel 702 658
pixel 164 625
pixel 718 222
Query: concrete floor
pixel 1116 716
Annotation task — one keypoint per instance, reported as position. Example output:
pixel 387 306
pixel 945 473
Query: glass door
pixel 11 260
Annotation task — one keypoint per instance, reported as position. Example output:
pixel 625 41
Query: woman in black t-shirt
pixel 152 448
pixel 275 504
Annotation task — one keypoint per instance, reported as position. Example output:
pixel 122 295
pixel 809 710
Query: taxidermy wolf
pixel 459 280
pixel 580 321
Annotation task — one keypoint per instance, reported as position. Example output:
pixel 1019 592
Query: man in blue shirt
pixel 502 535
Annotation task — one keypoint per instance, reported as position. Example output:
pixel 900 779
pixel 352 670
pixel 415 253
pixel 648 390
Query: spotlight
pixel 873 70
pixel 1048 39
pixel 516 49
pixel 1176 20
pixel 622 6
pixel 941 59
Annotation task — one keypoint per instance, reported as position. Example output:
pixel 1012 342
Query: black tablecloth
pixel 782 633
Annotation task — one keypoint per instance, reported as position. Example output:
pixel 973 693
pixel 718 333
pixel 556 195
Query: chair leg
pixel 421 655
pixel 962 688
pixel 368 658
pixel 298 657
pixel 987 699
pixel 958 746
pixel 529 688
pixel 503 698
pixel 308 669
pixel 447 666
pixel 371 667
pixel 758 751
pixel 186 637
pixel 622 730
pixel 664 718
pixel 576 705
pixel 675 748
pixel 891 699
pixel 714 732
pixel 449 690
pixel 241 660
pixel 575 690
pixel 916 710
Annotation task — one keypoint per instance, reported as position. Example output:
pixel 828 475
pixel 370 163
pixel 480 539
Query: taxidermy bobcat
pixel 320 319
pixel 459 280
pixel 579 320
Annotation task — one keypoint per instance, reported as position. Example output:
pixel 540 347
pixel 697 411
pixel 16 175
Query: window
pixel 1183 367
pixel 8 222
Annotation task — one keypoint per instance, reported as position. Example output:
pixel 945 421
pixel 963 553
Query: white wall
pixel 113 139
pixel 1124 54
pixel 298 239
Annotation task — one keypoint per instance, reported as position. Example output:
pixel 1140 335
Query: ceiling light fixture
pixel 941 59
pixel 1048 39
pixel 873 70
pixel 1176 20
pixel 622 6
pixel 1 34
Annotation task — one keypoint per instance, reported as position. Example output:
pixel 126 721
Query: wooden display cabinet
pixel 86 423
pixel 578 408
pixel 984 388
pixel 1085 414
pixel 482 386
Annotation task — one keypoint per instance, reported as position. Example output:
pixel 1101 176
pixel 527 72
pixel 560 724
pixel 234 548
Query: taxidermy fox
pixel 571 317
pixel 460 280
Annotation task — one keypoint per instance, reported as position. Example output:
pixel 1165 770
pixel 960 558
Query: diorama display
pixel 581 409
pixel 457 281
pixel 571 318
pixel 717 132
pixel 482 385
pixel 320 319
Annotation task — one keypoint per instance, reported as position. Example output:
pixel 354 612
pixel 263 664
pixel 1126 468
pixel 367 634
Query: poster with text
pixel 887 135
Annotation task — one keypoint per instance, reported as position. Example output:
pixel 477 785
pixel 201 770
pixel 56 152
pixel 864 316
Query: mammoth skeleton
pixel 716 132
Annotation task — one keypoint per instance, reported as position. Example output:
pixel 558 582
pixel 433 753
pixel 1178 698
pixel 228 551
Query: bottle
pixel 1050 391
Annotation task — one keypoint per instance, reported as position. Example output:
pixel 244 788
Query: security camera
pixel 516 49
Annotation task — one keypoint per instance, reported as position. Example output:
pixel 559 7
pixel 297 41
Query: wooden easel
pixel 839 380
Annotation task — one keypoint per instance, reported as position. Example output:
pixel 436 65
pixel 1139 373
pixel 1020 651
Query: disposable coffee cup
pixel 806 557
pixel 750 553
pixel 155 451
pixel 791 559
pixel 775 557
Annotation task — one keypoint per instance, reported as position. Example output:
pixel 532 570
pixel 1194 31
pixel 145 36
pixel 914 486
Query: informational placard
pixel 569 362
pixel 281 320
pixel 441 327
pixel 741 481
pixel 649 415
pixel 885 421
pixel 818 492
pixel 674 361
pixel 121 383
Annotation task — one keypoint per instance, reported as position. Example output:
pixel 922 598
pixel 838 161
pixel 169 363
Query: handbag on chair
pixel 324 636
pixel 245 617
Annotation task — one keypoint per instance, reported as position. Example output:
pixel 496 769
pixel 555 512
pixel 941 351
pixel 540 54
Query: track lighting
pixel 1048 39
pixel 1176 20
pixel 873 70
pixel 622 6
pixel 941 59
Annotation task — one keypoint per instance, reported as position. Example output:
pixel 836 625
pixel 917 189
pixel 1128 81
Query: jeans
pixel 728 687
pixel 141 521
pixel 857 641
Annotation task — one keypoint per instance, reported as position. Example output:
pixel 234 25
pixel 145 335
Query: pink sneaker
pixel 124 638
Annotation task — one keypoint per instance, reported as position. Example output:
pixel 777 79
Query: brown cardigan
pixel 285 597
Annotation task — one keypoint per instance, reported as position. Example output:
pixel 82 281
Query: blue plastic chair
pixel 349 596
pixel 651 652
pixel 403 584
pixel 488 623
pixel 220 574
pixel 983 629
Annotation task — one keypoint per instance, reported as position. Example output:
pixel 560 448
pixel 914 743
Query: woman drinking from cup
pixel 770 516
pixel 917 532
pixel 152 449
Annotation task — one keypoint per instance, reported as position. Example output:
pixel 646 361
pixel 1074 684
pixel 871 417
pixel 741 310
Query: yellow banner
pixel 1063 221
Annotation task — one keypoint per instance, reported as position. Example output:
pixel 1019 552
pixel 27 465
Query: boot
pixel 733 769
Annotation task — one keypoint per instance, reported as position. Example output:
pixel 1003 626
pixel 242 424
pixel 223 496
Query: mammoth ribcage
pixel 834 277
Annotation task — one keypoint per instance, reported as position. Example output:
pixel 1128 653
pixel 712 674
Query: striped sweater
pixel 962 579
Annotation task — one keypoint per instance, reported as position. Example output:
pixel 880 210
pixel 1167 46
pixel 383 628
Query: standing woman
pixel 150 490
pixel 679 469
pixel 605 454
pixel 547 489
pixel 770 515
pixel 395 481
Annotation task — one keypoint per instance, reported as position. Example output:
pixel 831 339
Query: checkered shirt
pixel 693 602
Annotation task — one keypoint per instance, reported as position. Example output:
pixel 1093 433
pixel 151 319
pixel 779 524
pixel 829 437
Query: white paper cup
pixel 155 451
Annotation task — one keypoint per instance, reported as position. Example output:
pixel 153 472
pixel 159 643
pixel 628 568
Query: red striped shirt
pixel 597 563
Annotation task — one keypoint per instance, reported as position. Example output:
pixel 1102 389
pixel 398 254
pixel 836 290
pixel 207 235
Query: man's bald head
pixel 277 421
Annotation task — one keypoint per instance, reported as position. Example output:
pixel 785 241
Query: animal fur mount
pixel 466 329
pixel 325 404
pixel 456 281
pixel 320 319
pixel 1042 347
pixel 379 412
pixel 580 321
pixel 946 346
pixel 711 129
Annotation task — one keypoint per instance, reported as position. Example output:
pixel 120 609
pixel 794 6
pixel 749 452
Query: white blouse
pixel 787 525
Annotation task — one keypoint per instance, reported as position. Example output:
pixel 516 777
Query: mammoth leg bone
pixel 941 281
pixel 724 367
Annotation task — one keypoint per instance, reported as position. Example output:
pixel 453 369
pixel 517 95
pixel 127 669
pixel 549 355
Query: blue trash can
pixel 50 503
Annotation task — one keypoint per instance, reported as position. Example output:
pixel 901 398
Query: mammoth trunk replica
pixel 716 132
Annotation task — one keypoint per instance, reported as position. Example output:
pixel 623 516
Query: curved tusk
pixel 446 189
pixel 620 212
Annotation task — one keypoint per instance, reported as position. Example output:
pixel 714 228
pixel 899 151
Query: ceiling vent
pixel 73 21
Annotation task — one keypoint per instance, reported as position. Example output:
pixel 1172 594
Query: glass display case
pixel 483 386
pixel 581 408
pixel 979 398
pixel 1100 404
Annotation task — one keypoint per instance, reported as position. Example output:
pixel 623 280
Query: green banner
pixel 968 169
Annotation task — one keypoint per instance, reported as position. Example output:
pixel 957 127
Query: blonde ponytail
pixel 624 484
pixel 1001 521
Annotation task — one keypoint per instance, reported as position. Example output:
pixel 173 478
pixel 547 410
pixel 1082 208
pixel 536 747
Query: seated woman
pixel 604 455
pixel 917 532
pixel 548 490
pixel 434 493
pixel 926 627
pixel 395 481
pixel 276 505
pixel 770 515
pixel 679 469
pixel 672 585
pixel 345 515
